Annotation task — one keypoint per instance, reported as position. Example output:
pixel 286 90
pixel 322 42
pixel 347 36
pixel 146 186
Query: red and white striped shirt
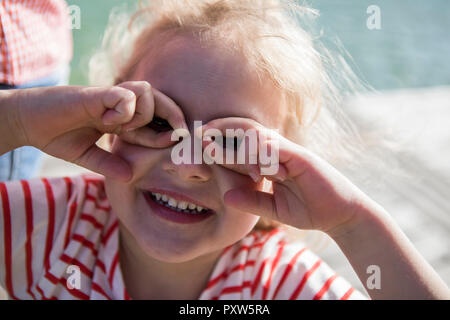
pixel 49 224
pixel 35 39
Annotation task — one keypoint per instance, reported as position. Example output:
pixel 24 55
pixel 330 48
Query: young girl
pixel 156 230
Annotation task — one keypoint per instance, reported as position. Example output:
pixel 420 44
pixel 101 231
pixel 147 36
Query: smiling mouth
pixel 180 206
pixel 174 210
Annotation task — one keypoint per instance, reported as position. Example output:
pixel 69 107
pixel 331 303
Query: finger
pixel 150 102
pixel 277 157
pixel 167 109
pixel 237 158
pixel 120 104
pixel 147 137
pixel 242 158
pixel 282 205
pixel 105 163
pixel 252 201
pixel 231 123
pixel 145 105
pixel 258 151
pixel 269 160
pixel 296 159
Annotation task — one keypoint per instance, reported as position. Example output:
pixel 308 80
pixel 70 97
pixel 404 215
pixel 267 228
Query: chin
pixel 173 251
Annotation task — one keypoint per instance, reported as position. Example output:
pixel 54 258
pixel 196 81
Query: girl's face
pixel 206 83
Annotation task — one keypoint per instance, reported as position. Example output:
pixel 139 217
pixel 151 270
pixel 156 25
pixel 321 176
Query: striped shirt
pixel 50 225
pixel 35 39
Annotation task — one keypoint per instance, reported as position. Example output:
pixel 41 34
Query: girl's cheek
pixel 141 159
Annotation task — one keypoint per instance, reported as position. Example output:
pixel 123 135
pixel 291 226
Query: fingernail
pixel 181 133
pixel 255 176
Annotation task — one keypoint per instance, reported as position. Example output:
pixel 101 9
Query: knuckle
pixel 146 86
pixel 117 93
pixel 129 95
pixel 140 87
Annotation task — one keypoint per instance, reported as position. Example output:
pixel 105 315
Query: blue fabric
pixel 25 162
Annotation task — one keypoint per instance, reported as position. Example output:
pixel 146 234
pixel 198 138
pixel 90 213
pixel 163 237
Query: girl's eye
pixel 159 125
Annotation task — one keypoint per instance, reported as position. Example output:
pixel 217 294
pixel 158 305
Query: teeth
pixel 180 206
pixel 173 202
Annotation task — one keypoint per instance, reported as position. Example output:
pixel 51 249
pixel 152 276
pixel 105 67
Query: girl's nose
pixel 188 172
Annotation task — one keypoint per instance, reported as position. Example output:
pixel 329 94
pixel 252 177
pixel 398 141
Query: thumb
pixel 252 201
pixel 105 163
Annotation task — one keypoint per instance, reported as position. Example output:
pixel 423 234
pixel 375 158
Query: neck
pixel 149 279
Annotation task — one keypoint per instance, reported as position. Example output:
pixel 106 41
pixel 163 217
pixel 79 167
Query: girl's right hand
pixel 66 122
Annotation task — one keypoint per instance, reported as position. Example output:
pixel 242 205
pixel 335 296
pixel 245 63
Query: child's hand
pixel 308 193
pixel 66 122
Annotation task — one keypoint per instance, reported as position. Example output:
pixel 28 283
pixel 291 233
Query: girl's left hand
pixel 308 193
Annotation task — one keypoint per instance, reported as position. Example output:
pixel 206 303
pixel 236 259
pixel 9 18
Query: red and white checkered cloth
pixel 35 39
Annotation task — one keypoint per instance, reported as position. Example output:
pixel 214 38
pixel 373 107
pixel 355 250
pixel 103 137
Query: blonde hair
pixel 277 39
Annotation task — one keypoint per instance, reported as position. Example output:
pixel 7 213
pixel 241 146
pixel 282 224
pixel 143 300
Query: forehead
pixel 210 83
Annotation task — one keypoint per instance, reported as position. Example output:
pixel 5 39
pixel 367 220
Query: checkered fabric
pixel 35 38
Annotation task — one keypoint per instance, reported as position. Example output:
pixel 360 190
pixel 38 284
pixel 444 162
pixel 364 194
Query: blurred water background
pixel 411 49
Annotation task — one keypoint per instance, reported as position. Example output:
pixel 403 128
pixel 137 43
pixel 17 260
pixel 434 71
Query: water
pixel 94 18
pixel 411 49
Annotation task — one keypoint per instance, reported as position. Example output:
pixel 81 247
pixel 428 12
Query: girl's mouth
pixel 174 210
